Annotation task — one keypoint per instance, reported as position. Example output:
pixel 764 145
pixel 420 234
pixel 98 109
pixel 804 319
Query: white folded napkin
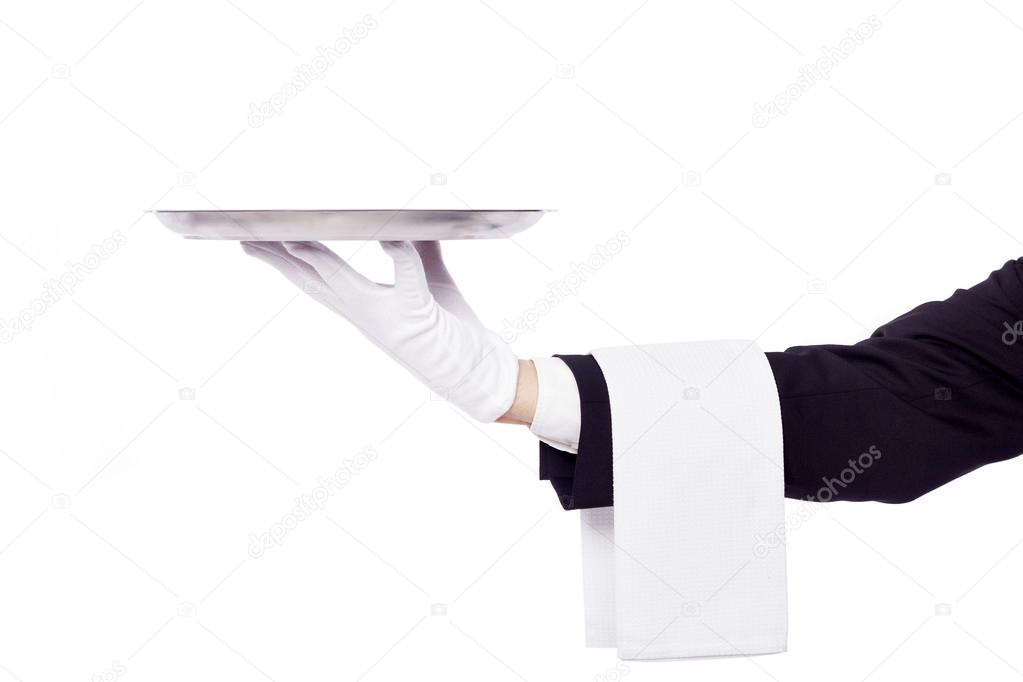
pixel 678 568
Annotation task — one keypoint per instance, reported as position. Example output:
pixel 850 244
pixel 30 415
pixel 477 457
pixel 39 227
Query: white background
pixel 126 507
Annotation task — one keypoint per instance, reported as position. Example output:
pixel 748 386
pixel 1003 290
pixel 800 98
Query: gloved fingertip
pixel 398 249
pixel 429 249
pixel 298 248
pixel 255 248
pixel 265 257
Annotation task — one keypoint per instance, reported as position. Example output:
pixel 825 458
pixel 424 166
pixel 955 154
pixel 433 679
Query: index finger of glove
pixel 334 270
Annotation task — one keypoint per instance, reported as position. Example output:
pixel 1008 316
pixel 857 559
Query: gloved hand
pixel 422 320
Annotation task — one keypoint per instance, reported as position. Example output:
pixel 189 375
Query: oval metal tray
pixel 359 224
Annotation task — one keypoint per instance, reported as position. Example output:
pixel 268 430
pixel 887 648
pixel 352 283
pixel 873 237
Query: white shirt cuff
pixel 558 418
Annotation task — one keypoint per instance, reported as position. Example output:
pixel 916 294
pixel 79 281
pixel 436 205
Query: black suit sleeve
pixel 584 481
pixel 930 396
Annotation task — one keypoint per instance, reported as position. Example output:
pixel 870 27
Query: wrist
pixel 523 410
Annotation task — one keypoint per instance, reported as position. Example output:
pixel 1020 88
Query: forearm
pixel 523 409
pixel 930 396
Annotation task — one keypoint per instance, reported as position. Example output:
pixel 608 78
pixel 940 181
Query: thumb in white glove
pixel 444 346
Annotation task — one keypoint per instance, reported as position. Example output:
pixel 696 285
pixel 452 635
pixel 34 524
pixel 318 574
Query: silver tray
pixel 365 224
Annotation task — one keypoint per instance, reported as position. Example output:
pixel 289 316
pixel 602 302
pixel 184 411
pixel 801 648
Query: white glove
pixel 422 320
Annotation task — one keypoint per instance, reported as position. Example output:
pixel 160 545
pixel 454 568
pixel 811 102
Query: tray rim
pixel 353 210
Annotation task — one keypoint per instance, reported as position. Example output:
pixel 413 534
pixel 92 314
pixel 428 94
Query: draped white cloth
pixel 684 564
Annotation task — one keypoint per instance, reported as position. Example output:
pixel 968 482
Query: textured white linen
pixel 679 569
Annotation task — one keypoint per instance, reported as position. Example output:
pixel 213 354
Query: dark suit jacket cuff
pixel 585 480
